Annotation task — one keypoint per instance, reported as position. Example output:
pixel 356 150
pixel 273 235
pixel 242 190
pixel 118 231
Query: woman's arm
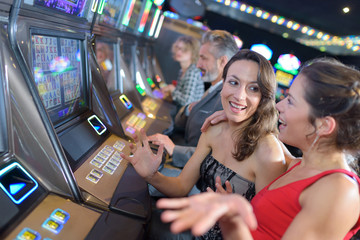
pixel 146 164
pixel 330 208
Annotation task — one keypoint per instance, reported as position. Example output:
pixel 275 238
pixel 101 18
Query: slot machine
pixel 286 69
pixel 117 76
pixel 148 92
pixel 147 57
pixel 53 44
pixel 39 198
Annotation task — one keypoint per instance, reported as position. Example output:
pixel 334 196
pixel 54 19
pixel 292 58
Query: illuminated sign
pixel 263 50
pixel 289 63
pixel 125 101
pixel 140 90
pixel 150 82
pixel 145 16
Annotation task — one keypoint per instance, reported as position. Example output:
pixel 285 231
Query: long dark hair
pixel 264 120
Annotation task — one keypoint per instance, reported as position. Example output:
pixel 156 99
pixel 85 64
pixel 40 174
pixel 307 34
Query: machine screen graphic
pixel 111 13
pixel 58 75
pixel 72 7
pixel 135 15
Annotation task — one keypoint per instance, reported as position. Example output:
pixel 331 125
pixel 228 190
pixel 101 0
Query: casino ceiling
pixel 321 24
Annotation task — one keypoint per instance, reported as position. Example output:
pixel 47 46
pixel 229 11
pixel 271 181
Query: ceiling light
pixel 346 9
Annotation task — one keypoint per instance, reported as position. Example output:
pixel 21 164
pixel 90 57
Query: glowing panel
pixel 96 124
pixel 289 62
pixel 140 90
pixel 159 26
pixel 125 101
pixel 145 16
pixel 150 82
pixel 129 9
pixel 263 50
pixel 153 24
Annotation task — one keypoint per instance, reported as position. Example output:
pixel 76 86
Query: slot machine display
pixel 151 99
pixel 286 69
pixel 147 57
pixel 65 77
pixel 38 198
pixel 118 79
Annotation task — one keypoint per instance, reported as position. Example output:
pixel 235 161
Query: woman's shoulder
pixel 269 142
pixel 215 130
pixel 193 68
pixel 269 146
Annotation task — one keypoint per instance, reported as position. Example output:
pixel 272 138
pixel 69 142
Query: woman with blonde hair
pixel 190 87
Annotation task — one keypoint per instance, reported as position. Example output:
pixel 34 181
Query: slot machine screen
pixel 112 12
pixel 105 56
pixel 132 14
pixel 284 78
pixel 59 77
pixel 72 7
pixel 284 81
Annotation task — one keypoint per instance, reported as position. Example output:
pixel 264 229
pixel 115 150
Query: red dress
pixel 275 209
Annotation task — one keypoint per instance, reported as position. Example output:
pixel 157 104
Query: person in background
pixel 217 48
pixel 243 152
pixel 105 58
pixel 318 197
pixel 189 86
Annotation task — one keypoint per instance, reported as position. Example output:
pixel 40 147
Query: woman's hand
pixel 145 162
pixel 214 119
pixel 219 188
pixel 168 89
pixel 201 211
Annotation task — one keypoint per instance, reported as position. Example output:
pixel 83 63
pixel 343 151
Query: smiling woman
pixel 318 196
pixel 248 92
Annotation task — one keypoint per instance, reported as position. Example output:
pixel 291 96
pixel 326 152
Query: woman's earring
pixel 315 141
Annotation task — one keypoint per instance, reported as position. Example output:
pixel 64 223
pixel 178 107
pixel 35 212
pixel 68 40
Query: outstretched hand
pixel 201 211
pixel 214 119
pixel 145 162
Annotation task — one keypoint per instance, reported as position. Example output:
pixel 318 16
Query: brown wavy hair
pixel 264 120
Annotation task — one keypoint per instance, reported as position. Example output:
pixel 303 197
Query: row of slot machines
pixel 63 125
pixel 123 46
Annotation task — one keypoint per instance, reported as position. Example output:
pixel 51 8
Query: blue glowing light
pixel 16 187
pixel 13 179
